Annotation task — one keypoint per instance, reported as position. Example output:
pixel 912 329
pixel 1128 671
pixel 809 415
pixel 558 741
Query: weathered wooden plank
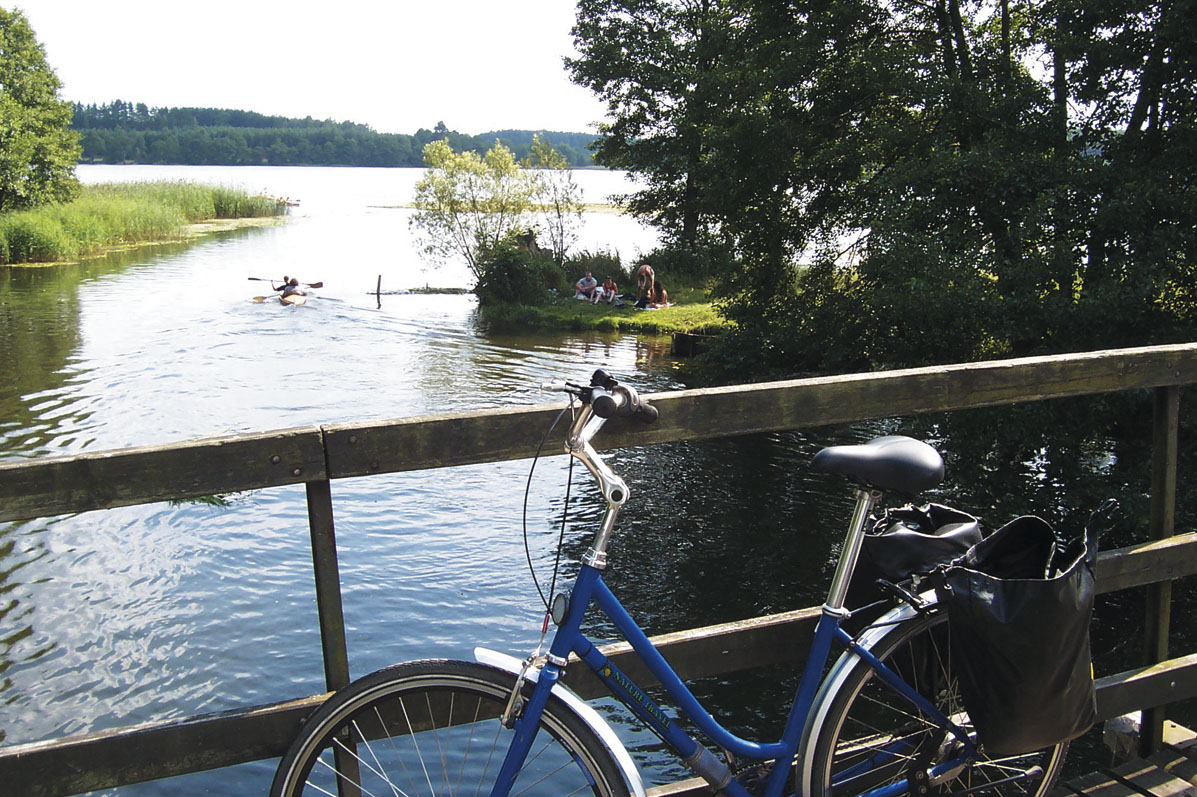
pixel 151 751
pixel 1175 762
pixel 1148 778
pixel 494 435
pixel 1147 563
pixel 461 438
pixel 1157 620
pixel 1156 685
pixel 1099 784
pixel 327 573
pixel 59 485
pixel 693 787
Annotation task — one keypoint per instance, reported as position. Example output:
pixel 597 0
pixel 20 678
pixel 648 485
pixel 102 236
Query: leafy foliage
pixel 38 152
pixel 601 263
pixel 468 205
pixel 509 274
pixel 902 183
pixel 558 196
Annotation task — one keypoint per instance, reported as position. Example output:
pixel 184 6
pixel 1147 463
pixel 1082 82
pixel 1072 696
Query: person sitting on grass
pixel 607 292
pixel 586 287
pixel 659 297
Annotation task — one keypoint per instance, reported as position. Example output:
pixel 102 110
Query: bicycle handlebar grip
pixel 609 398
pixel 647 412
pixel 604 404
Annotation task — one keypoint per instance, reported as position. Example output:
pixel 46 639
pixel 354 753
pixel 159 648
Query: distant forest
pixel 121 132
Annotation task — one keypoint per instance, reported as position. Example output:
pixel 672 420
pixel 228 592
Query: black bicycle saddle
pixel 894 463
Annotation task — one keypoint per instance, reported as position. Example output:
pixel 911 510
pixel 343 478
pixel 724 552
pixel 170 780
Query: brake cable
pixel 547 601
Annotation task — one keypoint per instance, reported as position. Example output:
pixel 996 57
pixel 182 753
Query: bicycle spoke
pixel 351 752
pixel 412 731
pixel 469 743
pixel 436 735
pixel 394 747
pixel 337 773
pixel 494 745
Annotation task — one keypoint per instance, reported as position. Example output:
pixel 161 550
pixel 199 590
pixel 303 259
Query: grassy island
pixel 114 215
pixel 691 312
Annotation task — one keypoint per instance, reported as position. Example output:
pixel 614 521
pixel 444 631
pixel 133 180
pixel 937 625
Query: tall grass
pixel 119 214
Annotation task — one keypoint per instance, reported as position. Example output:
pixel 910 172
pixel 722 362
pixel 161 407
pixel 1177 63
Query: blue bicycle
pixel 885 720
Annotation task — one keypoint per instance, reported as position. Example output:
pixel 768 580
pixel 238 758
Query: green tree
pixel 38 151
pixel 557 195
pixel 653 63
pixel 901 183
pixel 468 204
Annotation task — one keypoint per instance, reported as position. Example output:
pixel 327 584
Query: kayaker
pixel 291 288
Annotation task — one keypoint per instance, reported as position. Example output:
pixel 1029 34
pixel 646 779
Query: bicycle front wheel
pixel 866 736
pixel 433 728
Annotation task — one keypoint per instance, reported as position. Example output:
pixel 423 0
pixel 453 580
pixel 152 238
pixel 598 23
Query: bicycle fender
pixel 886 624
pixel 577 705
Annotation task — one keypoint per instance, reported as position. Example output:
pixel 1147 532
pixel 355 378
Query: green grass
pixel 692 312
pixel 111 215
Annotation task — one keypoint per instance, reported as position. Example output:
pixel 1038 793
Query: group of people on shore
pixel 650 294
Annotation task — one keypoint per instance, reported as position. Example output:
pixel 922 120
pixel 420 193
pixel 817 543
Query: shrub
pixel 600 264
pixel 675 263
pixel 508 274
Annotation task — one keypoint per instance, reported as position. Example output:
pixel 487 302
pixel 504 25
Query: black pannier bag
pixel 1019 604
pixel 906 541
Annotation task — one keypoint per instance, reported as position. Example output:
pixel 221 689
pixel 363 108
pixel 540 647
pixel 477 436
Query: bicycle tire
pixel 859 719
pixel 432 728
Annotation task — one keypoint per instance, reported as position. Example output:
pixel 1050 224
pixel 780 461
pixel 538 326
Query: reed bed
pixel 111 215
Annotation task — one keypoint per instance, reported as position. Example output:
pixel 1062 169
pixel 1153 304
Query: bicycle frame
pixel 589 588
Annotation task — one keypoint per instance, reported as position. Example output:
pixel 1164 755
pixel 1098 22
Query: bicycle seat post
pixel 866 499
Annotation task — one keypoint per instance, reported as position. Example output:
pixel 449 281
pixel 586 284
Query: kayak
pixel 295 298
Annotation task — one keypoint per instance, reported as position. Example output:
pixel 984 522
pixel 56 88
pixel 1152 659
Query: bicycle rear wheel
pixel 432 728
pixel 867 736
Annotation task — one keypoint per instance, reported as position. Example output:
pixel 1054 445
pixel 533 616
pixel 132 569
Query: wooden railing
pixel 316 455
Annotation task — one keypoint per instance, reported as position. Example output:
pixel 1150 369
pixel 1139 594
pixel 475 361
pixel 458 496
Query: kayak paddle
pixel 305 284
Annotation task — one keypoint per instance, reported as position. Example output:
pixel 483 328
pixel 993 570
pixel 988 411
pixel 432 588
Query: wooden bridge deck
pixel 1171 772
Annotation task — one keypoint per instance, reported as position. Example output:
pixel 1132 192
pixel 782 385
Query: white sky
pixel 396 65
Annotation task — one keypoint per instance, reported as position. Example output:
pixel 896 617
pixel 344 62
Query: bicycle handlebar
pixel 608 398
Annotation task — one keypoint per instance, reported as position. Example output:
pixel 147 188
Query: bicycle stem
pixel 615 490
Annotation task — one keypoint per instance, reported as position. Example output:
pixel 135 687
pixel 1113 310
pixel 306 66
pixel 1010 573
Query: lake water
pixel 141 614
pixel 147 613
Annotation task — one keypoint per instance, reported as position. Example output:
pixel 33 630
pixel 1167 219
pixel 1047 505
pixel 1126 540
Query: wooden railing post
pixel 332 616
pixel 1163 523
pixel 328 584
